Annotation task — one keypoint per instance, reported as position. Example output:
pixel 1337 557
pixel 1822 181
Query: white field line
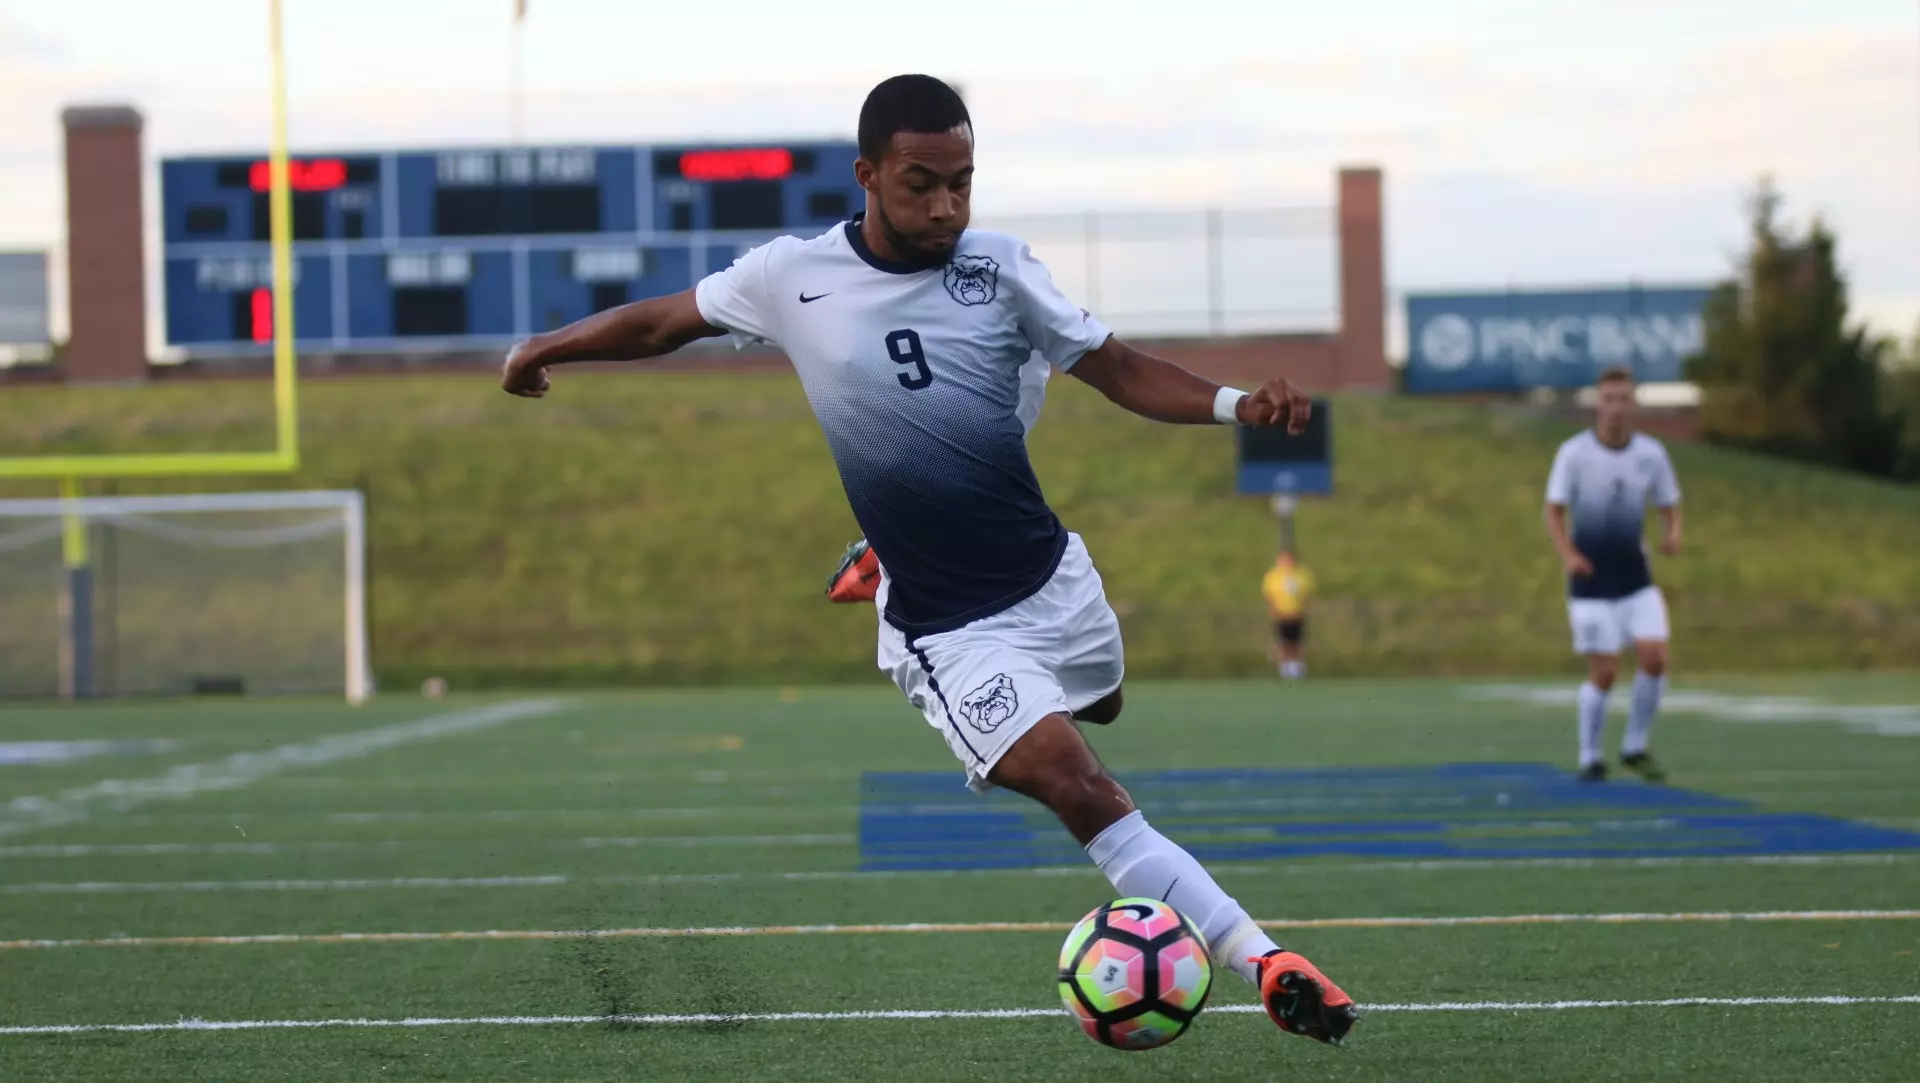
pixel 191 886
pixel 114 795
pixel 349 846
pixel 161 887
pixel 787 813
pixel 1889 720
pixel 843 839
pixel 911 1015
pixel 1705 917
pixel 780 813
pixel 526 815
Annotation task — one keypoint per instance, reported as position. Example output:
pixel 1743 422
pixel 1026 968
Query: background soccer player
pixel 909 332
pixel 1606 476
pixel 1286 587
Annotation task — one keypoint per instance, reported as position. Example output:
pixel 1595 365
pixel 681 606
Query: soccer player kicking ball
pixel 909 333
pixel 1606 475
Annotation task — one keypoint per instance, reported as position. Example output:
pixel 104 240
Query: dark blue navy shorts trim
pixel 933 682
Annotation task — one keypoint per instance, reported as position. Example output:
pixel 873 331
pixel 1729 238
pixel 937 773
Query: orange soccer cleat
pixel 858 576
pixel 1302 1001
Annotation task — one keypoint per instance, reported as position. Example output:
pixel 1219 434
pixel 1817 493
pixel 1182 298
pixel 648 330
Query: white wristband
pixel 1226 405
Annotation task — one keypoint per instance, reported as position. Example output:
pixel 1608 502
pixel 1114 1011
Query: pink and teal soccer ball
pixel 1135 973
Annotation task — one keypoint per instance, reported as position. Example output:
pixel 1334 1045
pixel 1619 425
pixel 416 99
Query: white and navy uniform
pixel 925 381
pixel 1606 491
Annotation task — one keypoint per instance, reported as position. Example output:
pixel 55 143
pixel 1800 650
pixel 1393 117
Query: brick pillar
pixel 106 269
pixel 1363 281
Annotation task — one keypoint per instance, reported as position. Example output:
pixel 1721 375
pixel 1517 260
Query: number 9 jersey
pixel 914 374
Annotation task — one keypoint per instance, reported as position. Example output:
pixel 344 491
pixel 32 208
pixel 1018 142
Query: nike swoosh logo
pixel 805 300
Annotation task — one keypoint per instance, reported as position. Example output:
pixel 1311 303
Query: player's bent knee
pixel 1601 670
pixel 1059 773
pixel 1053 764
pixel 1653 659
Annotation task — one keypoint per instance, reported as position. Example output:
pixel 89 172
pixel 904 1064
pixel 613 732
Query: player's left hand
pixel 521 375
pixel 1277 402
pixel 1670 545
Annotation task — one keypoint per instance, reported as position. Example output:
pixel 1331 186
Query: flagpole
pixel 514 74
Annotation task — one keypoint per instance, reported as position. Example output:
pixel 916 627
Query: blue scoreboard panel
pixel 1271 461
pixel 470 249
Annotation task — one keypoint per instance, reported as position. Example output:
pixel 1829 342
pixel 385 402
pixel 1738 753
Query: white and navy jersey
pixel 1606 491
pixel 923 381
pixel 1033 390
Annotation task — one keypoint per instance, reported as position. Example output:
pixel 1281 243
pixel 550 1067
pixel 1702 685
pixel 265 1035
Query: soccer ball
pixel 1135 973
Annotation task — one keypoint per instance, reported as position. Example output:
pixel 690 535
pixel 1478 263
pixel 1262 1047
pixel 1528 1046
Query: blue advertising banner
pixel 1520 340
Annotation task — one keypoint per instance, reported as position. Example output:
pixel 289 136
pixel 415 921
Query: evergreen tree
pixel 1781 369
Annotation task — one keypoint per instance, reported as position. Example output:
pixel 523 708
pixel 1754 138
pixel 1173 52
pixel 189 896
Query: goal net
pixel 184 594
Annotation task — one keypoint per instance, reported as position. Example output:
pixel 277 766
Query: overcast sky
pixel 1526 142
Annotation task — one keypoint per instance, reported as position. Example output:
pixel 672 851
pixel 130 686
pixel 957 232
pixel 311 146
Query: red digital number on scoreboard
pixel 260 302
pixel 315 175
pixel 770 163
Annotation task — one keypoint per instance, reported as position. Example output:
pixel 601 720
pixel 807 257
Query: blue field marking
pixel 924 820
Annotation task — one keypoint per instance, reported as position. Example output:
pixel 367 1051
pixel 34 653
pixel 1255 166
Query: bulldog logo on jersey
pixel 991 705
pixel 973 280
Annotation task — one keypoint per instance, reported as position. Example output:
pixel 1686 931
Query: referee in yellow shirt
pixel 1286 587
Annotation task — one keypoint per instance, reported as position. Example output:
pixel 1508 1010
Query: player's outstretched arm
pixel 632 332
pixel 1666 497
pixel 1554 514
pixel 1670 540
pixel 1159 389
pixel 1576 563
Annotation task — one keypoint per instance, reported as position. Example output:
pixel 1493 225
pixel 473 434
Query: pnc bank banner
pixel 1549 338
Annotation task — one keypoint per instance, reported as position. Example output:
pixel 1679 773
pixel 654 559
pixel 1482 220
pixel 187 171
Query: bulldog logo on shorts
pixel 989 706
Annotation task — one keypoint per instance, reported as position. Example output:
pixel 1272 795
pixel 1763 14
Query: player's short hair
pixel 908 103
pixel 1615 374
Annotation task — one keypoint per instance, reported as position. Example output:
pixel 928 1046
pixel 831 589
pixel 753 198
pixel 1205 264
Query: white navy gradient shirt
pixel 1606 491
pixel 916 378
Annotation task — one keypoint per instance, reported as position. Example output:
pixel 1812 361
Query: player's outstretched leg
pixel 1648 685
pixel 1054 765
pixel 1601 669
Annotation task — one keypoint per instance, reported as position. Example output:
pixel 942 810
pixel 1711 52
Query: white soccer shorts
pixel 1607 625
pixel 983 686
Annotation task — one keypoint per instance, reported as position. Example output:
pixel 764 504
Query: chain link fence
pixel 1205 272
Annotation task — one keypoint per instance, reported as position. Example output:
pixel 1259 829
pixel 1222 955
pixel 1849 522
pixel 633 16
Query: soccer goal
pixel 184 594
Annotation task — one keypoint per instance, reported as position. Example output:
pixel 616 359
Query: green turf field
pixel 540 816
pixel 676 529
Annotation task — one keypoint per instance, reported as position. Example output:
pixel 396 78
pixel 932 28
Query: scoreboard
pixel 472 248
pixel 1271 461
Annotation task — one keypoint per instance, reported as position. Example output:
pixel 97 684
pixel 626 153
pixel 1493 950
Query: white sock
pixel 1293 671
pixel 1593 720
pixel 1143 863
pixel 1646 703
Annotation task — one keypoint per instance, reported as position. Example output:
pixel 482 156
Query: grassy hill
pixel 676 528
